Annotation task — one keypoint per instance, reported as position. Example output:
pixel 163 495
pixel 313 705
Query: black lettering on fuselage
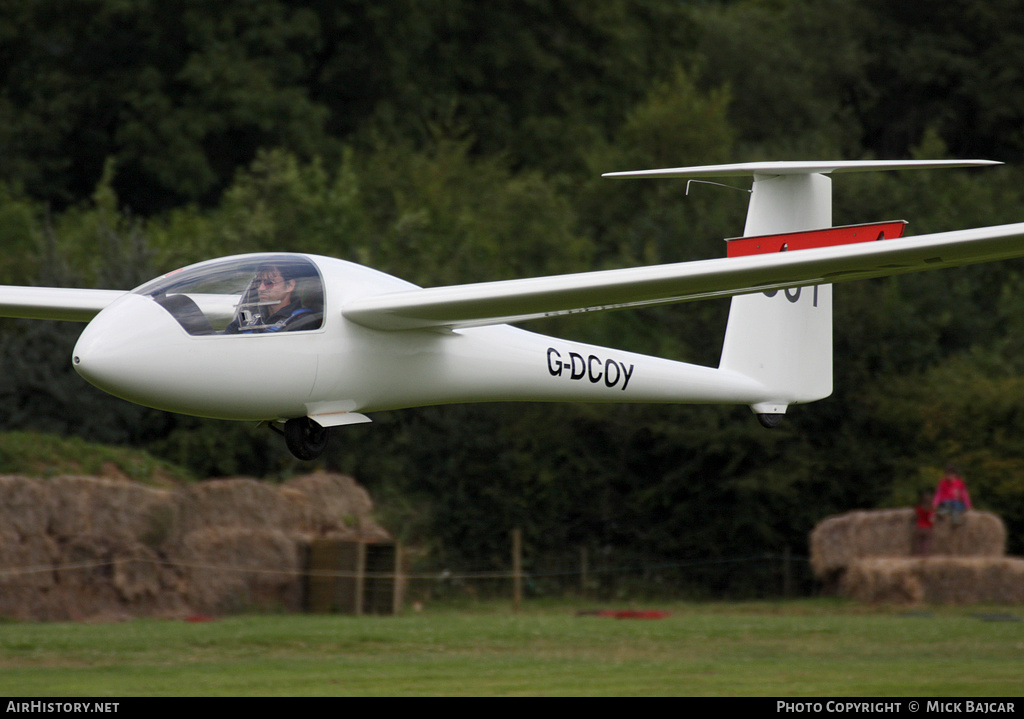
pixel 594 369
pixel 578 370
pixel 627 374
pixel 793 294
pixel 609 367
pixel 554 362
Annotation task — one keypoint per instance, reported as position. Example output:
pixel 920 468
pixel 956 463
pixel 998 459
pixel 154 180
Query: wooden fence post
pixel 584 571
pixel 396 595
pixel 360 576
pixel 517 569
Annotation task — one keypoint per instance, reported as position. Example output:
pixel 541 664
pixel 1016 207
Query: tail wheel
pixel 305 438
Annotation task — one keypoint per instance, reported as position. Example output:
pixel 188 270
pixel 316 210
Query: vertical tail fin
pixel 784 338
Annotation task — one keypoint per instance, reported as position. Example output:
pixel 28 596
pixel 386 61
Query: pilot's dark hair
pixel 308 289
pixel 291 268
pixel 287 270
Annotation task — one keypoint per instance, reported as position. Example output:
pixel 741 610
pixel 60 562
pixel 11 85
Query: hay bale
pixel 329 505
pixel 77 547
pixel 24 506
pixel 240 502
pixel 84 506
pixel 982 534
pixel 103 576
pixel 838 541
pixel 233 569
pixel 936 580
pixel 26 560
pixel 84 572
pixel 881 581
pixel 313 505
pixel 27 579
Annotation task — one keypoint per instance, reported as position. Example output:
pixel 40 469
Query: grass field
pixel 791 649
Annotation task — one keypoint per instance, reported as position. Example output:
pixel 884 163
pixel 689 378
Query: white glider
pixel 306 343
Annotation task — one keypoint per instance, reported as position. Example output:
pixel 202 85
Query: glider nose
pixel 119 350
pixel 136 349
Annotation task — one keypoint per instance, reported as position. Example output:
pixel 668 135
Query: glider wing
pixel 517 300
pixel 54 303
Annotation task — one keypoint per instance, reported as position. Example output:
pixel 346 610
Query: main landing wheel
pixel 305 438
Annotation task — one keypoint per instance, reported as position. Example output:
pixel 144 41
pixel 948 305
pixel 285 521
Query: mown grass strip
pixel 804 648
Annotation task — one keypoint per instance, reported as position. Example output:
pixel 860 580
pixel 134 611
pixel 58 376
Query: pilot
pixel 279 303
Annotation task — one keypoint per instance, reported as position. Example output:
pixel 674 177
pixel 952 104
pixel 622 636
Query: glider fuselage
pixel 138 350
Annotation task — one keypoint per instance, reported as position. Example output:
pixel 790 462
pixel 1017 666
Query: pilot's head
pixel 276 286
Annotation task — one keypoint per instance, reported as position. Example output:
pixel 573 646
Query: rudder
pixel 783 338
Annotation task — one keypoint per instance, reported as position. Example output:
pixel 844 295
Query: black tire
pixel 305 438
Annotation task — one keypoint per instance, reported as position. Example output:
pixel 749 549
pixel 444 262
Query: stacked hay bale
pixel 234 551
pixel 867 555
pixel 936 580
pixel 78 547
pixel 109 534
pixel 28 552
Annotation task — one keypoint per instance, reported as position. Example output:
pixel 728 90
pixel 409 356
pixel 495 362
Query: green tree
pixel 793 70
pixel 179 93
pixel 534 80
pixel 952 66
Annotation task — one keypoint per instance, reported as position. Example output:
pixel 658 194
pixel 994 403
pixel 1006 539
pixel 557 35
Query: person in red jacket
pixel 951 496
pixel 924 516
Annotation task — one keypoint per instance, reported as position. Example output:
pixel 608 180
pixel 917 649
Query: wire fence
pixel 762 575
pixel 388 579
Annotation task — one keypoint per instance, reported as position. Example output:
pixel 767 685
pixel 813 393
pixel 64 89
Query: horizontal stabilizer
pixel 750 169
